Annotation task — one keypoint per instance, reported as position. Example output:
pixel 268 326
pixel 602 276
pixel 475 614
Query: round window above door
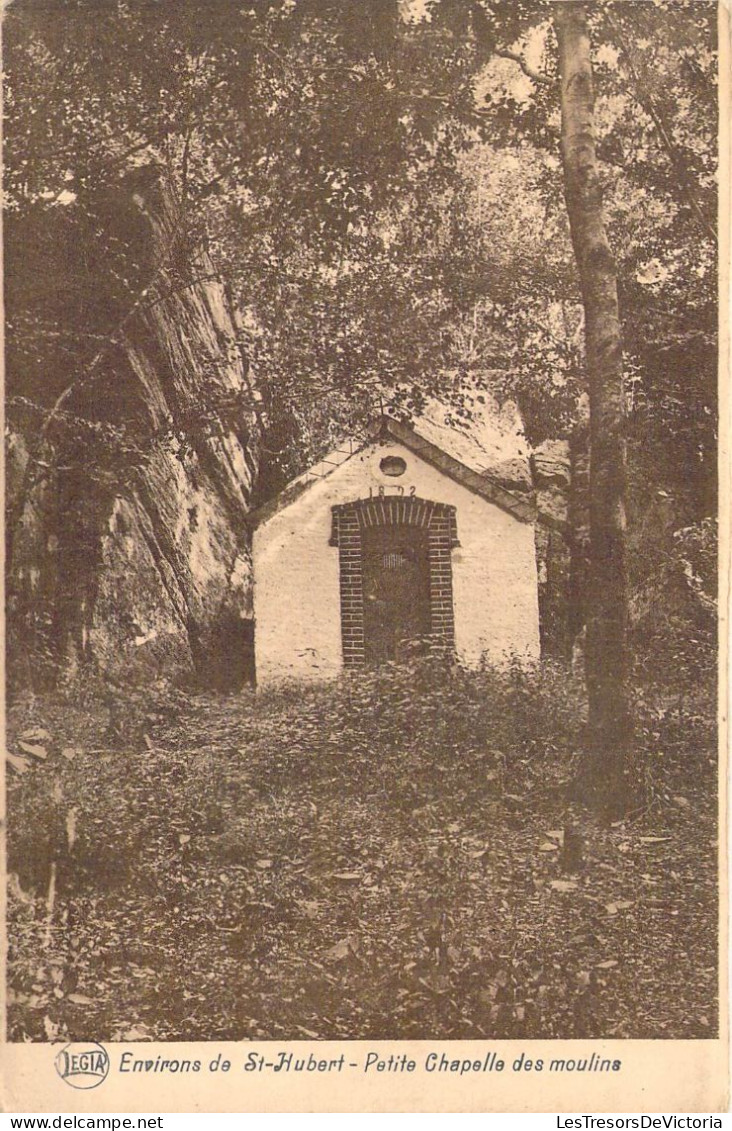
pixel 393 466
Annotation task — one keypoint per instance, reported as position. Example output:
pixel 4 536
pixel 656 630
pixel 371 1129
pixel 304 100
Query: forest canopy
pixel 380 185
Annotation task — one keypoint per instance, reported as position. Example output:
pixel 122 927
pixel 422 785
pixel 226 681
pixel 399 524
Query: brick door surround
pixel 350 519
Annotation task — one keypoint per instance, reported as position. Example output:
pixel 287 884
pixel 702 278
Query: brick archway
pixel 350 520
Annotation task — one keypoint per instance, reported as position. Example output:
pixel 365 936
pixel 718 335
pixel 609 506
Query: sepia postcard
pixel 366 485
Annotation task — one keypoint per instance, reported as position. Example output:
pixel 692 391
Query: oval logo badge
pixel 83 1065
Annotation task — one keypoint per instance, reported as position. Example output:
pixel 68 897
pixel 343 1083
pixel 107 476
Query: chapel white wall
pixel 296 574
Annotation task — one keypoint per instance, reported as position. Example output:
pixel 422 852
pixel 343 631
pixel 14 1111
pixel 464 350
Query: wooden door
pixel 396 589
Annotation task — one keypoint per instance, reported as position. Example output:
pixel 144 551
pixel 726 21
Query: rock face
pixel 551 470
pixel 127 547
pixel 492 442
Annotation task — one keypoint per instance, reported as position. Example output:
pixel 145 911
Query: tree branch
pixel 645 100
pixel 529 71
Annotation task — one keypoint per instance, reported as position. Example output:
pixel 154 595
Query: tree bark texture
pixel 606 649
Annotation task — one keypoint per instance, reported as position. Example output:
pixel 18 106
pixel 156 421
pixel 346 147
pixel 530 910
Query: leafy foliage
pixel 383 192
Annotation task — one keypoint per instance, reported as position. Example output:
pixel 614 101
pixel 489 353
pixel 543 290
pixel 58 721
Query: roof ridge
pixel 522 507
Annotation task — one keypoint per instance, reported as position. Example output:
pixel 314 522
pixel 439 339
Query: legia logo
pixel 83 1065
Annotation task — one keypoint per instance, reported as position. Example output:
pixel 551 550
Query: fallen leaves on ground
pixel 276 867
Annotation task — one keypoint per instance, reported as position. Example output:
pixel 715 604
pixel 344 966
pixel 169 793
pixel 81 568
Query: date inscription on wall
pixel 392 489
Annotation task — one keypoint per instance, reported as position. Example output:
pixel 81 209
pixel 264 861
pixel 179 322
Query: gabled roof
pixel 521 505
pixel 487 486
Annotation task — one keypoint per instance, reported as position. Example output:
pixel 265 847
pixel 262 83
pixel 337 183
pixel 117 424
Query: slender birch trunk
pixel 606 650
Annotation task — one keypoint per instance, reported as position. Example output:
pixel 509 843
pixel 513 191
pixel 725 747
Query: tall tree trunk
pixel 606 649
